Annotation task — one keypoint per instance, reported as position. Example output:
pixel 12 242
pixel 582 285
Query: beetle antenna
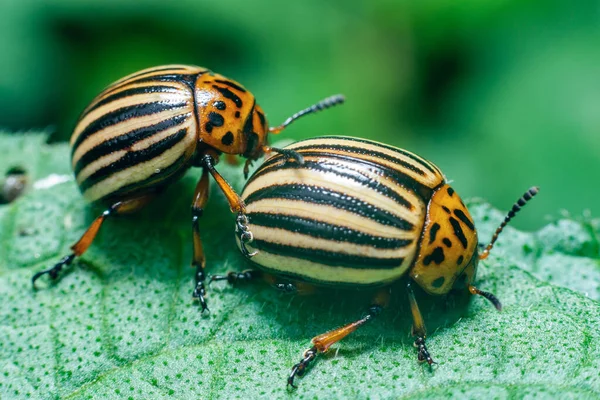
pixel 515 209
pixel 321 105
pixel 493 299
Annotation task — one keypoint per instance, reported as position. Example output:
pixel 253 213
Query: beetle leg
pixel 199 261
pixel 120 207
pixel 324 341
pixel 246 236
pixel 235 276
pixel 287 153
pixel 235 201
pixel 252 274
pixel 418 328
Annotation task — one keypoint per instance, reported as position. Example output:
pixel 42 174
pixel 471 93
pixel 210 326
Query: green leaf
pixel 121 321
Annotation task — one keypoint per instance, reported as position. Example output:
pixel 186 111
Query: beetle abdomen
pixel 351 214
pixel 139 133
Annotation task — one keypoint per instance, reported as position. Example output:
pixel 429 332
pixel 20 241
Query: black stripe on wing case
pixel 342 171
pixel 357 151
pixel 323 196
pixel 329 258
pixel 325 231
pixel 166 176
pixel 133 158
pixel 123 114
pixel 132 92
pixel 431 167
pixel 126 140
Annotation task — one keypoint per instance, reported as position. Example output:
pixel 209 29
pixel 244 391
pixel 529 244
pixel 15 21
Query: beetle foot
pixel 234 276
pixel 423 354
pixel 300 368
pixel 246 235
pixel 200 292
pixel 55 270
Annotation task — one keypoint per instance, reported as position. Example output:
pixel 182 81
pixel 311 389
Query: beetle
pixel 359 214
pixel 145 130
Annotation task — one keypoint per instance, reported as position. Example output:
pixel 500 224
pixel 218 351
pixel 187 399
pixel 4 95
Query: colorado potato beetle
pixel 359 214
pixel 145 130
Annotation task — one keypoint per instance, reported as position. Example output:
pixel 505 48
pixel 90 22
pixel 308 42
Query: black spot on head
pixel 458 232
pixel 237 114
pixel 216 119
pixel 460 260
pixel 220 105
pixel 227 139
pixel 438 282
pixel 208 127
pixel 446 209
pixel 450 191
pixel 437 256
pixel 433 232
pixel 447 242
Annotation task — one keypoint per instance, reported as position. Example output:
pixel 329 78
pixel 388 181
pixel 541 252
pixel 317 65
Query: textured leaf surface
pixel 121 323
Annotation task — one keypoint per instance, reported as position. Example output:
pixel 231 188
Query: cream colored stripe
pixel 330 215
pixel 129 125
pixel 336 183
pixel 298 240
pixel 325 273
pixel 365 170
pixel 149 72
pixel 141 145
pixel 132 85
pixel 429 178
pixel 139 172
pixel 182 96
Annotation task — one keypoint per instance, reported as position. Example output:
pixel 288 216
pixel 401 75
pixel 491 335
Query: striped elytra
pixel 359 213
pixel 144 131
pixel 355 213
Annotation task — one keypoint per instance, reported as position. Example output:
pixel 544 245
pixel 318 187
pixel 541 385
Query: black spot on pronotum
pixel 433 232
pixel 216 119
pixel 458 232
pixel 231 85
pixel 237 114
pixel 450 192
pixel 208 127
pixel 447 242
pixel 228 94
pixel 446 209
pixel 463 217
pixel 437 256
pixel 460 260
pixel 438 282
pixel 220 105
pixel 227 139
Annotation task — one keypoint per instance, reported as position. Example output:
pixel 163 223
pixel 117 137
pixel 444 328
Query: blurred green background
pixel 501 94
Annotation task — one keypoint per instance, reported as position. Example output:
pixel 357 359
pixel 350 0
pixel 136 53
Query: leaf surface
pixel 121 322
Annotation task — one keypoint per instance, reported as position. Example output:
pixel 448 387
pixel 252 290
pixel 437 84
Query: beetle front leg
pixel 236 204
pixel 120 207
pixel 199 260
pixel 418 328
